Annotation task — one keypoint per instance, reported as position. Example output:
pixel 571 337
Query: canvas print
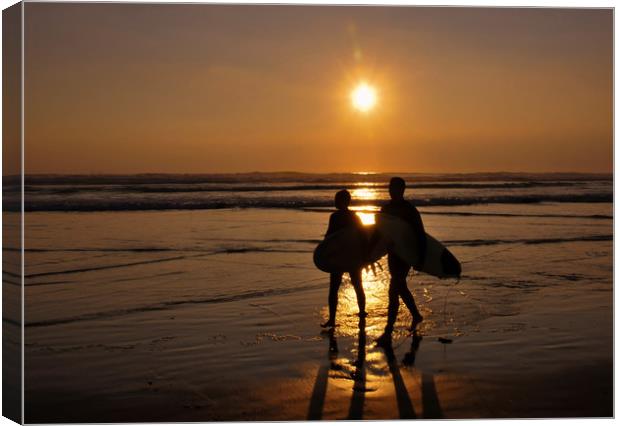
pixel 301 212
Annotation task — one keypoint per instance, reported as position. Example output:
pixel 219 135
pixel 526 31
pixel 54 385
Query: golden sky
pixel 119 88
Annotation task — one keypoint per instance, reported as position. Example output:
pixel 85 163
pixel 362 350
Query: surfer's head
pixel 342 199
pixel 397 188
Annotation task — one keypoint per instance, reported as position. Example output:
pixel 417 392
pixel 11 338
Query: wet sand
pixel 291 375
pixel 235 335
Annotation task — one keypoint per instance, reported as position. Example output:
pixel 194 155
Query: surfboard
pixel 401 239
pixel 348 249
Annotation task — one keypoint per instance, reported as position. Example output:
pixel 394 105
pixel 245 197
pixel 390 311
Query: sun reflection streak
pixel 366 213
pixel 376 284
pixel 376 290
pixel 374 280
pixel 365 193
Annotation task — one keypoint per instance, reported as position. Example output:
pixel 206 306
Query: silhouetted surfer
pixel 341 219
pixel 399 269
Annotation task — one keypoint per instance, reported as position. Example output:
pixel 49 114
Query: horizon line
pixel 361 173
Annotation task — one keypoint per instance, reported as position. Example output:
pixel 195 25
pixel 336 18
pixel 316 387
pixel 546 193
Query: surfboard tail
pixel 450 264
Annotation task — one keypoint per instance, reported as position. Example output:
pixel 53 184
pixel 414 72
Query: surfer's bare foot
pixel 384 341
pixel 329 324
pixel 417 319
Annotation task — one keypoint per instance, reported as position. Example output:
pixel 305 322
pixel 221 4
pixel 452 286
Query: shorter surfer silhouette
pixel 399 269
pixel 341 219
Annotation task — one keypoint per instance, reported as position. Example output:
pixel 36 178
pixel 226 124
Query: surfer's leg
pixel 409 301
pixel 334 285
pixel 393 305
pixel 399 271
pixel 398 274
pixel 356 280
pixel 385 339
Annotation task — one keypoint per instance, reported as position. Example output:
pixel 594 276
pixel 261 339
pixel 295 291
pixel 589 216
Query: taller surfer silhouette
pixel 399 269
pixel 341 219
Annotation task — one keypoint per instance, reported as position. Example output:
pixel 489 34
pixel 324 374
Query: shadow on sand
pixel 430 401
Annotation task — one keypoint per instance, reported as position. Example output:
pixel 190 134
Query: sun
pixel 364 97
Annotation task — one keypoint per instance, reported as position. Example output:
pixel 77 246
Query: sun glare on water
pixel 366 213
pixel 364 97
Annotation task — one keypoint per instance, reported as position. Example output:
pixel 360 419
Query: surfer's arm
pixel 333 225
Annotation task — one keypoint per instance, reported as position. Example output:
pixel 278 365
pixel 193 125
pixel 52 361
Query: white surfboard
pixel 402 240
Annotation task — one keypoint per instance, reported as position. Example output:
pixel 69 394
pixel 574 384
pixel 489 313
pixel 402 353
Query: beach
pixel 170 170
pixel 208 314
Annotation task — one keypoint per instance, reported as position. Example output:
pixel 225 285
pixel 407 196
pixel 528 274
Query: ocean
pixel 300 190
pixel 180 297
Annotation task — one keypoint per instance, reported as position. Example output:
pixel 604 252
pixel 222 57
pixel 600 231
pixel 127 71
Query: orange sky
pixel 118 88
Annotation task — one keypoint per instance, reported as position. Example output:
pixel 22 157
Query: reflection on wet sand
pixel 360 390
pixel 405 407
pixel 356 410
pixel 430 401
pixel 317 401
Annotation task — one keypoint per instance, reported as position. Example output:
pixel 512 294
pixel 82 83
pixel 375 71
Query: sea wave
pixel 274 177
pixel 88 204
pixel 232 188
pixel 291 190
